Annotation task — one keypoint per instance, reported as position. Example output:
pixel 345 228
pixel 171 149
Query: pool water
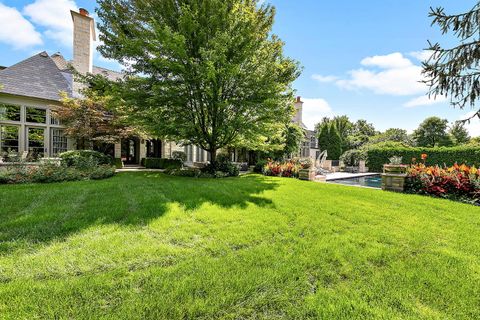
pixel 368 181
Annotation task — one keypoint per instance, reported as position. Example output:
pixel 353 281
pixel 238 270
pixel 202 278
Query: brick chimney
pixel 298 117
pixel 83 37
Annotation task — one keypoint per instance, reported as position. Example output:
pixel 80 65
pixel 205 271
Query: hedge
pixel 162 163
pixel 377 157
pixel 71 158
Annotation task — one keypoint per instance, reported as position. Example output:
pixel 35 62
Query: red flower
pixel 424 156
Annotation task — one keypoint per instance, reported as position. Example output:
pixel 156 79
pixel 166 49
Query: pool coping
pixel 353 175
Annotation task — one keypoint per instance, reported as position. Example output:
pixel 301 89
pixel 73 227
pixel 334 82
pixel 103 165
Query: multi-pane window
pixel 200 155
pixel 9 112
pixel 36 142
pixel 189 153
pixel 54 121
pixel 35 115
pixel 8 139
pixel 59 141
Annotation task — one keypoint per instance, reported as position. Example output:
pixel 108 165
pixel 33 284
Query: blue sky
pixel 359 58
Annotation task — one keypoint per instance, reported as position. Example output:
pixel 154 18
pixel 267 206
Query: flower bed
pixel 288 169
pixel 458 182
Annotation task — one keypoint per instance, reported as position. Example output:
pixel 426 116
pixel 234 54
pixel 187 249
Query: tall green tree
pixel 362 132
pixel 393 135
pixel 432 132
pixel 344 127
pixel 329 139
pixel 459 133
pixel 454 71
pixel 205 72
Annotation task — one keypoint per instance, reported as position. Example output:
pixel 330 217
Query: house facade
pixel 29 91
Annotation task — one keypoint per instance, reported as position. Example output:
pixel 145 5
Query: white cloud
pixel 55 17
pixel 314 110
pixel 421 56
pixel 390 61
pixel 474 126
pixel 424 101
pixel 398 76
pixel 16 30
pixel 321 78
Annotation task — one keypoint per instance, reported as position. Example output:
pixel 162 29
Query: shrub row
pixel 441 156
pixel 47 173
pixel 162 163
pixel 75 157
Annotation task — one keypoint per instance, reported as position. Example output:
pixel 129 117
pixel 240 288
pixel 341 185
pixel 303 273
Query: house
pixel 29 90
pixel 309 148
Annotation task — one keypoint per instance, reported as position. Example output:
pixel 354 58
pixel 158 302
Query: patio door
pixel 130 150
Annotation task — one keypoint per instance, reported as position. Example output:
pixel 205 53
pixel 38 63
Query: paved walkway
pixel 138 169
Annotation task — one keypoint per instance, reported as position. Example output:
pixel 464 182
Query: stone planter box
pixel 393 182
pixel 307 174
pixel 395 168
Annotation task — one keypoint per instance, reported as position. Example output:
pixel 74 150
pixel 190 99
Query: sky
pixel 359 58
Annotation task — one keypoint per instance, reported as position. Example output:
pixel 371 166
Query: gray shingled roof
pixel 44 77
pixel 37 77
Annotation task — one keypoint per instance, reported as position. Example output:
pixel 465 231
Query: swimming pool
pixel 373 181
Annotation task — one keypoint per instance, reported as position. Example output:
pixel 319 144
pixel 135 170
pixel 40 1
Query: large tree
pixel 329 139
pixel 455 71
pixel 205 72
pixel 432 132
pixel 459 133
pixel 88 120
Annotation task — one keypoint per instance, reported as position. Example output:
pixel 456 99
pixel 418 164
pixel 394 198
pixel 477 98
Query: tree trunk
pixel 213 154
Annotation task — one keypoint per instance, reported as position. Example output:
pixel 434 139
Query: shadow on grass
pixel 41 213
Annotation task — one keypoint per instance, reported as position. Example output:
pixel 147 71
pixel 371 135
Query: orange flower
pixel 424 156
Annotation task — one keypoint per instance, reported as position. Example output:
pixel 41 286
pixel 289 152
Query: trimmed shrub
pixel 179 155
pixel 352 158
pixel 119 164
pixel 222 167
pixel 441 156
pixel 259 166
pixel 162 163
pixel 48 173
pixel 84 157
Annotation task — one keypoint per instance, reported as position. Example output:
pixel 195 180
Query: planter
pixel 307 174
pixel 394 181
pixel 395 168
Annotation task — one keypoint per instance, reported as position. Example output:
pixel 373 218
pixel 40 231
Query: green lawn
pixel 149 246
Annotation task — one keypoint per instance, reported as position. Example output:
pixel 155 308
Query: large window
pixel 8 139
pixel 35 115
pixel 59 141
pixel 9 112
pixel 189 152
pixel 200 155
pixel 36 142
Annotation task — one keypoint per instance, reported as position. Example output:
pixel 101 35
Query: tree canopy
pixel 455 71
pixel 459 133
pixel 205 72
pixel 432 132
pixel 329 139
pixel 89 120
